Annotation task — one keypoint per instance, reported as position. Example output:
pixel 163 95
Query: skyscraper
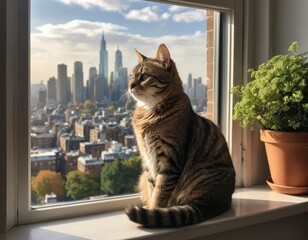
pixel 196 83
pixel 111 88
pixel 51 89
pixel 42 98
pixel 61 84
pixel 98 89
pixel 103 69
pixel 118 63
pixel 77 82
pixel 103 58
pixel 188 87
pixel 68 90
pixel 123 75
pixel 118 77
pixel 91 83
pixel 189 80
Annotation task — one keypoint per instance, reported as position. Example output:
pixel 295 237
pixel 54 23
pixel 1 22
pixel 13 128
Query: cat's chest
pixel 149 156
pixel 145 125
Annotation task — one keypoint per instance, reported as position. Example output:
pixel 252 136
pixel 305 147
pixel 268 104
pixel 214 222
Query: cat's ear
pixel 163 55
pixel 140 57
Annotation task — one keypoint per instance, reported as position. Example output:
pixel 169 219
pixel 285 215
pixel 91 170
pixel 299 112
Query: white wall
pixel 289 23
pixel 257 49
pixel 270 26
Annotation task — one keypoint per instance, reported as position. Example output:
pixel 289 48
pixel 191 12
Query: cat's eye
pixel 144 77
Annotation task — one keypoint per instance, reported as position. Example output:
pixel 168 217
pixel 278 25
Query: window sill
pixel 251 206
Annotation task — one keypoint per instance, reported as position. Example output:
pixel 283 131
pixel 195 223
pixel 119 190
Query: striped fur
pixel 188 175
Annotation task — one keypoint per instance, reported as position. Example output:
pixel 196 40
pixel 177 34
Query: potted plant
pixel 277 100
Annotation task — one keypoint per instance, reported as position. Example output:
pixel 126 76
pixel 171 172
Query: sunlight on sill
pixel 250 206
pixel 264 193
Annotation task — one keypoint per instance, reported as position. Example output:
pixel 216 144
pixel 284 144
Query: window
pixel 75 85
pixel 224 20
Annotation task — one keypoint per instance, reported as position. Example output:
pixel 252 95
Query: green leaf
pixel 277 96
pixel 293 47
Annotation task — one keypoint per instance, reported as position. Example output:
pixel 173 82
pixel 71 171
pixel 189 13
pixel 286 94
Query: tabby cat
pixel 188 175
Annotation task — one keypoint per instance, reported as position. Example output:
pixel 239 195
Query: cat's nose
pixel 131 85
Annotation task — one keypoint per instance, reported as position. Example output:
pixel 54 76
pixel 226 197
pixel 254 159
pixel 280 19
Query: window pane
pixel 82 139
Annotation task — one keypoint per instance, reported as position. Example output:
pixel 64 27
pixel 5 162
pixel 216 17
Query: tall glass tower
pixel 118 76
pixel 61 84
pixel 103 59
pixel 118 63
pixel 77 82
pixel 103 68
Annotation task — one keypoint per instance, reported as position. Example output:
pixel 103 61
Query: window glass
pixel 82 141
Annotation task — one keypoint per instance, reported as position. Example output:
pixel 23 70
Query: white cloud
pixel 79 40
pixel 147 14
pixel 175 8
pixel 71 28
pixel 176 13
pixel 190 16
pixel 65 43
pixel 165 16
pixel 107 5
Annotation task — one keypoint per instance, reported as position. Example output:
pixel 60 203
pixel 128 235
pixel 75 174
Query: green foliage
pixel 120 176
pixel 88 107
pixel 277 96
pixel 35 198
pixel 81 185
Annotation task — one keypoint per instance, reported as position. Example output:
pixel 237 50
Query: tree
pixel 35 198
pixel 82 185
pixel 111 108
pixel 88 107
pixel 132 172
pixel 120 176
pixel 47 182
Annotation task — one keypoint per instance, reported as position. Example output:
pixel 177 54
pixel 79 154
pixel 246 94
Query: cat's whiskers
pixel 125 97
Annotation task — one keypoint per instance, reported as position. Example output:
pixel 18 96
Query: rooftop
pixel 43 156
pixel 89 160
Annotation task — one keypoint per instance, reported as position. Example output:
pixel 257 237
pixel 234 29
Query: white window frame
pixel 17 170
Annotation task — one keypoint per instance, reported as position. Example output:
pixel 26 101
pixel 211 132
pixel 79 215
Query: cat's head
pixel 154 80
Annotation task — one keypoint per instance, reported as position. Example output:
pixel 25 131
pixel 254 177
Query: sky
pixel 65 31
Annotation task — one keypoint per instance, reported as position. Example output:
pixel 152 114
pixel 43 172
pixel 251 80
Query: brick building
pixel 71 159
pixel 55 118
pixel 93 148
pixel 88 164
pixel 44 159
pixel 129 141
pixel 97 134
pixel 44 140
pixel 111 131
pixel 82 129
pixel 70 142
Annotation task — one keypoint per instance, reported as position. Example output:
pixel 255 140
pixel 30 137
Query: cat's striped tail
pixel 175 216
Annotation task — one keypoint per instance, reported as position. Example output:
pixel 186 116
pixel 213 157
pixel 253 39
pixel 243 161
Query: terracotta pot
pixel 287 154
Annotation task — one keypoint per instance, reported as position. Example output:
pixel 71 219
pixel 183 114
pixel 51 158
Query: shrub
pixel 277 96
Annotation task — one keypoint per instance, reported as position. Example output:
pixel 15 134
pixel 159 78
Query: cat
pixel 188 175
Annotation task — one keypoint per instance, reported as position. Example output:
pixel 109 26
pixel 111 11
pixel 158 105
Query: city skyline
pixel 66 38
pixel 96 86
